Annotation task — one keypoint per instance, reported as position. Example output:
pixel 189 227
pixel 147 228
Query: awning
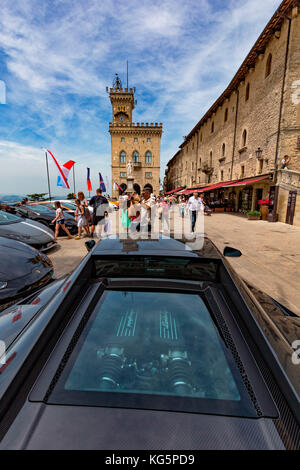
pixel 227 184
pixel 245 182
pixel 174 190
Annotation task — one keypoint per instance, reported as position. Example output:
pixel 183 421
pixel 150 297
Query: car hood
pixel 17 259
pixel 27 231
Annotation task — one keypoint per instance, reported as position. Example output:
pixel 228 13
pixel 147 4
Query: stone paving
pixel 270 261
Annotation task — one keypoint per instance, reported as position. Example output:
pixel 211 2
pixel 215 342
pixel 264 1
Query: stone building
pixel 237 146
pixel 135 147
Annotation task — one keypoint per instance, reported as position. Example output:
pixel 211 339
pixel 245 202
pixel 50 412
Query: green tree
pixel 37 196
pixel 71 196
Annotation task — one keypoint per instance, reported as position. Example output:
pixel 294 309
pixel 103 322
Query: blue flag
pixel 102 184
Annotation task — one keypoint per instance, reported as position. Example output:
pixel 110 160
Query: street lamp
pixel 258 153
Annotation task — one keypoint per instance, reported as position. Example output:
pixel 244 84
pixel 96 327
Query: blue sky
pixel 58 56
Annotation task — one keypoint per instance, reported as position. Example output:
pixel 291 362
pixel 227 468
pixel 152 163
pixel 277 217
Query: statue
pixel 129 168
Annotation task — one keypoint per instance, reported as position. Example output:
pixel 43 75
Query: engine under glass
pixel 157 343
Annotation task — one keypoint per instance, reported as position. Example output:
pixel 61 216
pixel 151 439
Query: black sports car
pixel 151 345
pixel 23 270
pixel 44 215
pixel 27 231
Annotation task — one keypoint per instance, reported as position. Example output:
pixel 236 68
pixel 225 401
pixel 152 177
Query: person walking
pixel 99 204
pixel 193 206
pixel 80 218
pixel 182 205
pixel 60 221
pixel 87 213
pixel 134 213
pixel 147 205
pixel 164 205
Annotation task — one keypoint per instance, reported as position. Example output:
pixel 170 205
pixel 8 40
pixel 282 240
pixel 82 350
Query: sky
pixel 58 56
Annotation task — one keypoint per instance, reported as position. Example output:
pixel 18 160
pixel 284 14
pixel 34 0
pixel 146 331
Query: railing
pixel 137 165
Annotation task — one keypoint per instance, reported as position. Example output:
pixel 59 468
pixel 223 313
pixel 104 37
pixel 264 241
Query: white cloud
pixel 61 54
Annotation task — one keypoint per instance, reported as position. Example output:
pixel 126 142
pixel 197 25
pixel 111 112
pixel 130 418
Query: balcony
pixel 289 178
pixel 137 165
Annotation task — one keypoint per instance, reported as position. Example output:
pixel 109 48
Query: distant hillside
pixel 10 197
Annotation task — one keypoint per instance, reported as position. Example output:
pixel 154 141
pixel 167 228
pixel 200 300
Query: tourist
pixel 87 213
pixel 181 206
pixel 134 213
pixel 79 217
pixel 125 218
pixel 164 205
pixel 147 205
pixel 284 162
pixel 107 228
pixel 193 206
pixel 99 204
pixel 60 221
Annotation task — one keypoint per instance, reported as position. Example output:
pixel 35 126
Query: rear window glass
pixel 6 218
pixel 151 266
pixel 157 350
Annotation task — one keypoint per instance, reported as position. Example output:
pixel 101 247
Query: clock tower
pixel 135 147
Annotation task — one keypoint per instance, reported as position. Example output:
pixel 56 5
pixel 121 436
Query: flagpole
pixel 49 191
pixel 74 179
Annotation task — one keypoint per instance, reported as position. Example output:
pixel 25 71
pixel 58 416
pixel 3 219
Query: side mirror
pixel 231 252
pixel 90 245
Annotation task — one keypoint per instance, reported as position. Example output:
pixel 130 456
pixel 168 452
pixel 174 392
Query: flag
pixel 107 182
pixel 64 180
pixel 102 184
pixel 116 185
pixel 65 169
pixel 89 184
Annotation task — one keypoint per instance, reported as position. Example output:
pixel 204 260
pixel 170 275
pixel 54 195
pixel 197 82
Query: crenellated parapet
pixel 137 124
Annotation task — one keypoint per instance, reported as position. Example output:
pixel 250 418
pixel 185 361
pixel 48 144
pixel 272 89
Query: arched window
pixel 148 157
pixel 223 150
pixel 212 127
pixel 123 157
pixel 268 65
pixel 244 138
pixel 135 156
pixel 226 115
pixel 247 92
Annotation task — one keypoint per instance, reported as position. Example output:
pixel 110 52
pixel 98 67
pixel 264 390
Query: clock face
pixel 121 118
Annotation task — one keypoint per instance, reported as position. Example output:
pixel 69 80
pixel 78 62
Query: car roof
pixel 162 246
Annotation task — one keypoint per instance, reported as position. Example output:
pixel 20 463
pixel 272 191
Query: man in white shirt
pixel 194 205
pixel 147 203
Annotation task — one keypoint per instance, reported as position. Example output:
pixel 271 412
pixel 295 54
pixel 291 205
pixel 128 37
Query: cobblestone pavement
pixel 271 254
pixel 270 261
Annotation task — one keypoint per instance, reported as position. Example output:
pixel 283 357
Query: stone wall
pixel 255 107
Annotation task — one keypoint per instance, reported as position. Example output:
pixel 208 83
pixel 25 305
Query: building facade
pixel 135 147
pixel 251 127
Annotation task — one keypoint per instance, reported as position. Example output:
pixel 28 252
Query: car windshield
pixel 69 205
pixel 41 208
pixel 154 266
pixel 6 218
pixel 139 343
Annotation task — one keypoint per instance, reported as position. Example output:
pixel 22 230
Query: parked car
pixel 68 208
pixel 23 270
pixel 43 214
pixel 151 344
pixel 27 231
